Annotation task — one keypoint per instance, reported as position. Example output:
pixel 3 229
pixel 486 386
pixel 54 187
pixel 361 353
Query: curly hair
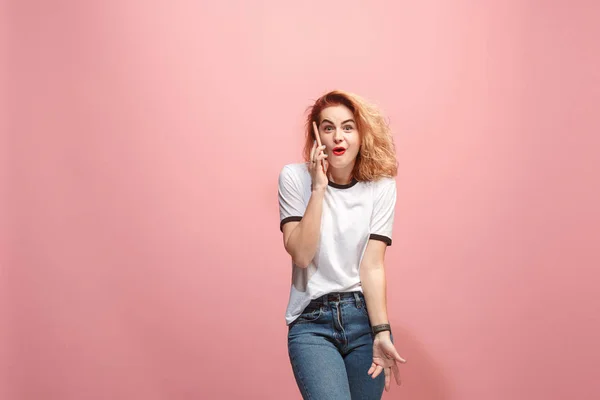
pixel 377 155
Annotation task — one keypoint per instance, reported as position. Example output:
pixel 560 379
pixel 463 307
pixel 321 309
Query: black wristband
pixel 381 328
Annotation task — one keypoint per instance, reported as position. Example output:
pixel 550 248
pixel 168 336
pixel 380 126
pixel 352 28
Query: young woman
pixel 336 215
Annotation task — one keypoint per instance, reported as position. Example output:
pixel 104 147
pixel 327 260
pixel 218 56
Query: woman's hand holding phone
pixel 318 163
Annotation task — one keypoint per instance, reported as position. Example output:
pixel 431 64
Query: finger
pixel 387 379
pixel 397 357
pixel 396 374
pixel 312 151
pixel 317 136
pixel 372 369
pixel 321 156
pixel 392 353
pixel 377 372
pixel 313 157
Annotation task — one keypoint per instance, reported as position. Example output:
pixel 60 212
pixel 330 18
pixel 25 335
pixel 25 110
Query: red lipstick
pixel 338 151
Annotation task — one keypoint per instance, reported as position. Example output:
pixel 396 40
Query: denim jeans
pixel 331 349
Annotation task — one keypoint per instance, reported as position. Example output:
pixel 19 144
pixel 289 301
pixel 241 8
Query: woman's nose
pixel 338 137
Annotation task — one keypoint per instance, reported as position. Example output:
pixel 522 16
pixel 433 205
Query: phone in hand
pixel 318 138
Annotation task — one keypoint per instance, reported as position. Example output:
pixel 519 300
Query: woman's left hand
pixel 385 357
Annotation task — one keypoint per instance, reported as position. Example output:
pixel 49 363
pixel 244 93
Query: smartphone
pixel 318 138
pixel 316 132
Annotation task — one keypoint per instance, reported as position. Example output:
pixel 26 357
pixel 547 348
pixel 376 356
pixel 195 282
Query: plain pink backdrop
pixel 141 252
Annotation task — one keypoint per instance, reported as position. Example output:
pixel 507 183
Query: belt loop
pixel 325 300
pixel 358 300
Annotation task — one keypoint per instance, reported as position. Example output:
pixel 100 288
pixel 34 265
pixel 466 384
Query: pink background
pixel 141 256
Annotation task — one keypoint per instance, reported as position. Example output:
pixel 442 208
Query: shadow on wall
pixel 421 378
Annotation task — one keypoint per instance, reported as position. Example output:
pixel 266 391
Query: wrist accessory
pixel 381 328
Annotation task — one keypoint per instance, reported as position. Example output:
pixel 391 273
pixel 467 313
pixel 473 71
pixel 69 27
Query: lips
pixel 338 151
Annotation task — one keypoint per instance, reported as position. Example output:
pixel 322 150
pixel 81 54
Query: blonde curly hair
pixel 377 155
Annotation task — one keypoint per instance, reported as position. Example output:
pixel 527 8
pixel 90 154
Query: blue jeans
pixel 331 349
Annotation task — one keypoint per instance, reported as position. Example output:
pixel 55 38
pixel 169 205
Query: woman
pixel 336 215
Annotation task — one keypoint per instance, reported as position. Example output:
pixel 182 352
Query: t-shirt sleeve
pixel 382 219
pixel 291 202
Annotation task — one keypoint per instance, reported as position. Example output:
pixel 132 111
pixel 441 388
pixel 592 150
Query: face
pixel 338 132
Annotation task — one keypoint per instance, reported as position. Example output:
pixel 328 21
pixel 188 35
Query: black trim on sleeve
pixel 286 220
pixel 382 238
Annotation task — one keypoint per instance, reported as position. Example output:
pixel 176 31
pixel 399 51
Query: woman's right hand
pixel 318 165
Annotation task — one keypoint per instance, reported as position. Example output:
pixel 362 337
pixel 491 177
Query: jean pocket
pixel 363 309
pixel 309 316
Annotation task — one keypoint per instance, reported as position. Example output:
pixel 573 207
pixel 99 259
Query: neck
pixel 341 176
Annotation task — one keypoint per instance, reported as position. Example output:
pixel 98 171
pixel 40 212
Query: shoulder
pixel 387 182
pixel 297 169
pixel 297 172
pixel 382 184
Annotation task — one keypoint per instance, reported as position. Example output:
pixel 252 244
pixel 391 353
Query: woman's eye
pixel 328 128
pixel 348 127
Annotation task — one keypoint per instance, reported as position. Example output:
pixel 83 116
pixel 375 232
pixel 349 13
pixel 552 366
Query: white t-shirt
pixel 352 214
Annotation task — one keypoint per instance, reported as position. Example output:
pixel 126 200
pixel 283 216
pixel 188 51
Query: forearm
pixel 303 240
pixel 374 289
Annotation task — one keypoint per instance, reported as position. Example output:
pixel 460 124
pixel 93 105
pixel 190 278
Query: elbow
pixel 301 262
pixel 298 259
